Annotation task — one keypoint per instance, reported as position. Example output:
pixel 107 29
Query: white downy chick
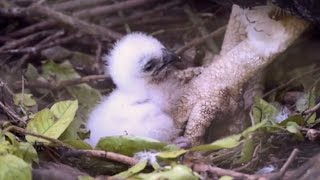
pixel 139 64
pixel 141 67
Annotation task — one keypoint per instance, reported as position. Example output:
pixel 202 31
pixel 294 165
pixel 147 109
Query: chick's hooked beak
pixel 169 58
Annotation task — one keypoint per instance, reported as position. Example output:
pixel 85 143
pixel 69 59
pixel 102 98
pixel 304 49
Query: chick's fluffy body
pixel 139 105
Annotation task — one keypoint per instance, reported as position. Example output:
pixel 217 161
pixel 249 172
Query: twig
pixel 103 154
pixel 12 12
pixel 311 111
pixel 34 49
pixel 103 10
pixel 63 84
pixel 289 82
pixel 32 28
pixel 250 163
pixel 74 4
pixel 25 40
pixel 286 165
pixel 42 45
pixel 70 5
pixel 25 132
pixel 75 23
pixel 198 41
pixel 202 30
pixel 51 37
pixel 64 6
pixel 159 19
pixel 125 23
pixel 98 64
pixel 142 14
pixel 11 113
pixel 225 172
pixel 24 3
pixel 3 84
pixel 3 105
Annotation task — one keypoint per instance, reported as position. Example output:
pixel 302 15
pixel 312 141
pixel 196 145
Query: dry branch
pixel 286 165
pixel 76 4
pixel 88 28
pixel 11 113
pixel 46 43
pixel 202 29
pixel 26 132
pixel 225 172
pixel 32 28
pixel 62 84
pixel 26 40
pixel 103 10
pixel 143 14
pixel 103 154
pixel 12 12
pixel 200 40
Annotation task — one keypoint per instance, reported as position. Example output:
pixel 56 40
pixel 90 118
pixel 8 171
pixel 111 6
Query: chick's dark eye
pixel 149 65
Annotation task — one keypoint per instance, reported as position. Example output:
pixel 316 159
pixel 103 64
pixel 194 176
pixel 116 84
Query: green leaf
pixel 262 110
pixel 6 147
pixel 247 151
pixel 293 128
pixel 12 138
pixel 254 128
pixel 129 145
pixel 226 178
pixel 87 96
pixel 77 143
pixel 230 141
pixel 177 172
pixel 43 123
pixel 65 109
pixel 312 103
pixel 227 142
pixel 31 73
pixel 14 168
pixel 302 103
pixel 133 170
pixel 28 153
pixel 85 178
pixel 298 119
pixel 171 154
pixel 24 99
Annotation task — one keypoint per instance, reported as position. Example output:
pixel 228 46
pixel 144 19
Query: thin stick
pixel 11 113
pixel 142 14
pixel 25 132
pixel 42 46
pixel 32 28
pixel 76 23
pixel 197 21
pixel 25 40
pixel 103 10
pixel 311 111
pixel 63 84
pixel 289 82
pixel 76 4
pixel 198 41
pixel 286 165
pixel 225 172
pixel 105 155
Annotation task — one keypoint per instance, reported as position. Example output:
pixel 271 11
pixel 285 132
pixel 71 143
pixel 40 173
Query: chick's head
pixel 137 59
